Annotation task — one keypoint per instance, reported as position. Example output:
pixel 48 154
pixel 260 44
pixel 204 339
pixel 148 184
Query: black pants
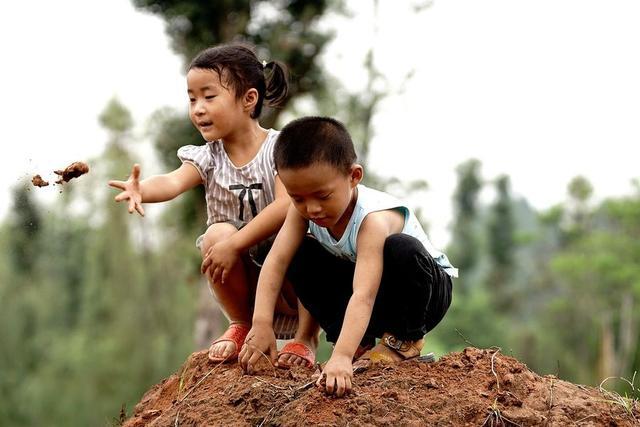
pixel 414 293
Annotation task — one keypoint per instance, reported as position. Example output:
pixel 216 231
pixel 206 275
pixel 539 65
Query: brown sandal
pixel 392 350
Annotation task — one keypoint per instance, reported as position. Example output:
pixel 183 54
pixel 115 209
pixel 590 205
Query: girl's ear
pixel 250 99
pixel 356 175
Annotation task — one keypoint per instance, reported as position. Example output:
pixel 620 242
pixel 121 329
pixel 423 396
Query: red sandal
pixel 235 333
pixel 300 350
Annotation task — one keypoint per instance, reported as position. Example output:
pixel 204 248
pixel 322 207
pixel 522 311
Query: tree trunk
pixel 607 360
pixel 628 335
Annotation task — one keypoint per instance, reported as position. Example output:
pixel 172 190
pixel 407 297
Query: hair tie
pixel 264 64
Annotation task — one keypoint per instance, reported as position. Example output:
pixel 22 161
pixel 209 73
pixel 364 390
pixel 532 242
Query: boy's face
pixel 213 107
pixel 321 192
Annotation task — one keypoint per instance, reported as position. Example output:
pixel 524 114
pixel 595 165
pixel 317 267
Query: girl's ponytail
pixel 277 83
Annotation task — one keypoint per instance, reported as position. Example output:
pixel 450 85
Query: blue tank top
pixel 370 200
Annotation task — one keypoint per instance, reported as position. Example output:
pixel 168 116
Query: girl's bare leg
pixel 235 296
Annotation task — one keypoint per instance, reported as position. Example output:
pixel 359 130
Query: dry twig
pixel 202 379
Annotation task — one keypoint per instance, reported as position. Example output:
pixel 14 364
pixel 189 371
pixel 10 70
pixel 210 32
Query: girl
pixel 246 202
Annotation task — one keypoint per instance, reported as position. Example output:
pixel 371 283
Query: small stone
pixel 151 413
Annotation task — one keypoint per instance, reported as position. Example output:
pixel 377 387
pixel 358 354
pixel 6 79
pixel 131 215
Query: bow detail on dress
pixel 252 203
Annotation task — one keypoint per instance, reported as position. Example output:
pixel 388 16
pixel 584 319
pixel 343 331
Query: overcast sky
pixel 541 91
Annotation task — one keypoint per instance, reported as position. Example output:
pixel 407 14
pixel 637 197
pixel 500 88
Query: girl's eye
pixel 209 97
pixel 325 197
pixel 297 199
pixel 192 100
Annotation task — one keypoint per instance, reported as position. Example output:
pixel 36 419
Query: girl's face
pixel 322 193
pixel 213 107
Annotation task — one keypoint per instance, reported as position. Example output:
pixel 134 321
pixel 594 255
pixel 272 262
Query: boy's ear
pixel 357 173
pixel 250 99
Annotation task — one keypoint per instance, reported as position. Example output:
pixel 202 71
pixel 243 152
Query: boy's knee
pixel 216 233
pixel 402 247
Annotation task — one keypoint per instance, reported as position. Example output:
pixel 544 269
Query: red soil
pixel 471 388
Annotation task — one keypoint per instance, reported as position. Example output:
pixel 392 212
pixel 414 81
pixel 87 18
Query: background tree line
pixel 98 305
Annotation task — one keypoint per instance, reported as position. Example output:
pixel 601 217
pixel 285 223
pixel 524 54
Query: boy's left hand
pixel 219 261
pixel 339 375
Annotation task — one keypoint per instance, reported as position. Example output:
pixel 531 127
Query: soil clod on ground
pixel 475 387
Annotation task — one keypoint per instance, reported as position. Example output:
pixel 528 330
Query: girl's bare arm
pixel 160 188
pixel 266 223
pixel 157 188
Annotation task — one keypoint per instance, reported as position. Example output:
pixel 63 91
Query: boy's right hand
pixel 260 342
pixel 130 190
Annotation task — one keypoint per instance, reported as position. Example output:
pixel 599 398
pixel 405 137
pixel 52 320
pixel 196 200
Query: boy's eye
pixel 325 197
pixel 209 97
pixel 192 100
pixel 297 199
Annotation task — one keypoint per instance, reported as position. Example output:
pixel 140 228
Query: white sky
pixel 541 91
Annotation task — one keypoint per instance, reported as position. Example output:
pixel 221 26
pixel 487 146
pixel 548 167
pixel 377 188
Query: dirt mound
pixel 474 387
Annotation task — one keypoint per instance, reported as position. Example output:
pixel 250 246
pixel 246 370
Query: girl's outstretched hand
pixel 130 190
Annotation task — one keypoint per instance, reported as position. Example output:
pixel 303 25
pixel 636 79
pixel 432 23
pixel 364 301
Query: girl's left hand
pixel 339 375
pixel 219 261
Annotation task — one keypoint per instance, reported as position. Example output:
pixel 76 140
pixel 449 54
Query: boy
pixel 369 271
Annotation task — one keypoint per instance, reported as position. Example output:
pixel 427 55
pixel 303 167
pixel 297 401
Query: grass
pixel 629 402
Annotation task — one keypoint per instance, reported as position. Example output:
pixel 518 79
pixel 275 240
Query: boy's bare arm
pixel 374 231
pixel 275 266
pixel 261 339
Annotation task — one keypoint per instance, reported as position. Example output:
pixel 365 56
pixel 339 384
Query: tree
pixel 285 30
pixel 24 231
pixel 501 232
pixel 600 274
pixel 465 241
pixel 577 220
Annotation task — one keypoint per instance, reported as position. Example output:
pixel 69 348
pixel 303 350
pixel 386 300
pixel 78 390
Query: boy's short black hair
pixel 310 140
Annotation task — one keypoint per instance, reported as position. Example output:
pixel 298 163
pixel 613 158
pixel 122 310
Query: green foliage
pixel 116 118
pixel 575 265
pixel 502 249
pixel 24 231
pixel 92 316
pixel 465 247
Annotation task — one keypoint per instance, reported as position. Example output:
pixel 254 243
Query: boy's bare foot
pixel 299 352
pixel 227 347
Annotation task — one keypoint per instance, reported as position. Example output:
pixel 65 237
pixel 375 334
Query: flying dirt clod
pixel 74 170
pixel 37 181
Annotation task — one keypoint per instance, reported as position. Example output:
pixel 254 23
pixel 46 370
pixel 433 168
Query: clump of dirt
pixel 473 387
pixel 74 170
pixel 37 181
